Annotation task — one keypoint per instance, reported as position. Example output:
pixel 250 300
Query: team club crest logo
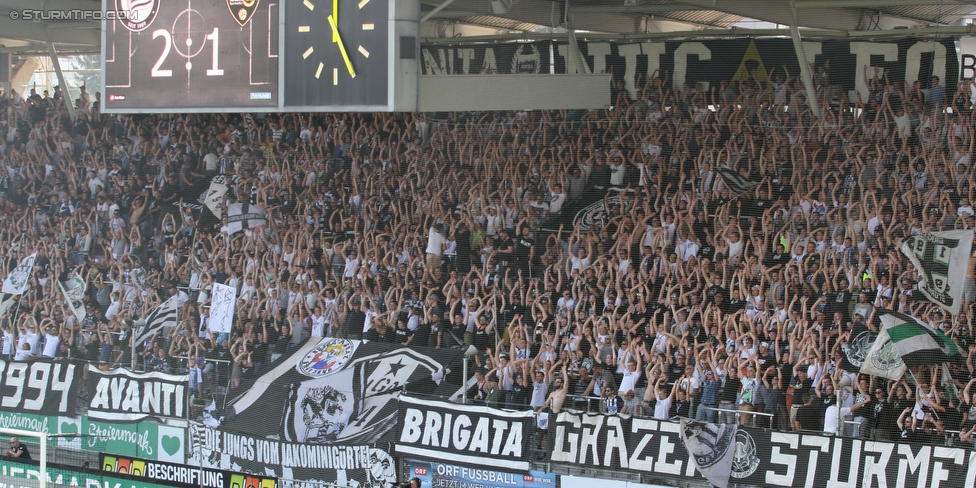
pixel 859 348
pixel 140 13
pixel 328 357
pixel 885 358
pixel 242 10
pixel 746 460
pixel 526 60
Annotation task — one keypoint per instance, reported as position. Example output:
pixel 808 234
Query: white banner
pixel 222 303
pixel 18 279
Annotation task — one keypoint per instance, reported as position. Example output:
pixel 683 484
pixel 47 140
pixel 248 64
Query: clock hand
pixel 335 15
pixel 342 48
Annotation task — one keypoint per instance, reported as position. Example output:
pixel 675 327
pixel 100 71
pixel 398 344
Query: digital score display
pixel 190 56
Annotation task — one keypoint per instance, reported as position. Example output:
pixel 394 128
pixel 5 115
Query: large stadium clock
pixel 338 54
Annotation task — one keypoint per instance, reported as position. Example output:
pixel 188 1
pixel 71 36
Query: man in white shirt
pixel 662 408
pixel 318 323
pixel 51 341
pixel 436 242
pixel 687 249
pixel 830 415
pixel 632 370
pixel 557 199
pixel 29 336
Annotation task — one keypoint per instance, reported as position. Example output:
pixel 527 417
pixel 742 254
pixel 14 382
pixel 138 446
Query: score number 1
pixel 156 72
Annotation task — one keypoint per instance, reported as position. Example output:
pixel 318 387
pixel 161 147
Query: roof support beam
pixel 67 101
pixel 968 30
pixel 805 76
pixel 438 8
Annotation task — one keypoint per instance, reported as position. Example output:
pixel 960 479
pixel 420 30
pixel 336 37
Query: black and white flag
pixel 244 216
pixel 942 259
pixel 215 195
pixel 736 183
pixel 162 316
pixel 712 448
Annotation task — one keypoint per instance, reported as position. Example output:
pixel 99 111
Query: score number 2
pixel 156 72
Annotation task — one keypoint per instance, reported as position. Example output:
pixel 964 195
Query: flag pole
pixel 17 312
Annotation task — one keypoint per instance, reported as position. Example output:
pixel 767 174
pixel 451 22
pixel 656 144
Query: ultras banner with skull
pixel 761 458
pixel 333 391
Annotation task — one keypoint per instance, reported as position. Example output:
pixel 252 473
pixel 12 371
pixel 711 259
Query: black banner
pixel 317 465
pixel 180 475
pixel 842 62
pixel 124 396
pixel 762 458
pixel 334 391
pixel 472 59
pixel 465 434
pixel 42 386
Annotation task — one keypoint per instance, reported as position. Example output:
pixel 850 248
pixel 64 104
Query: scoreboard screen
pixel 190 55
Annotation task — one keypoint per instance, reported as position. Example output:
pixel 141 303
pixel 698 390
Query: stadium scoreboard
pixel 163 56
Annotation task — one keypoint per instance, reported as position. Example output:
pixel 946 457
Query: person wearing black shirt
pixel 505 249
pixel 462 236
pixel 767 358
pixel 777 257
pixel 402 335
pixel 715 289
pixel 808 415
pixel 17 450
pixel 521 390
pixel 282 341
pixel 437 337
pixel 524 250
pixel 839 301
pixel 880 413
pixel 802 386
pixel 423 334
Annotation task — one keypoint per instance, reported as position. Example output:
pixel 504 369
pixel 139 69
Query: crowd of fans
pixel 676 297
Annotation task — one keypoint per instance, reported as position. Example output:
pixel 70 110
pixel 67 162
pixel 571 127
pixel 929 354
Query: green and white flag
pixel 941 259
pixel 18 280
pixel 881 359
pixel 74 293
pixel 915 342
pixel 7 301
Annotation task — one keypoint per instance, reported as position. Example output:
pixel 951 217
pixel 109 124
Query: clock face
pixel 342 64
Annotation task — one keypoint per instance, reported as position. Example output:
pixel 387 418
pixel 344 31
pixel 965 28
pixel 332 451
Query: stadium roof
pixel 662 16
pixel 608 18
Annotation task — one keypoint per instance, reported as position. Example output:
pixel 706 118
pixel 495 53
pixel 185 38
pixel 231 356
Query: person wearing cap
pixel 494 396
pixel 766 358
